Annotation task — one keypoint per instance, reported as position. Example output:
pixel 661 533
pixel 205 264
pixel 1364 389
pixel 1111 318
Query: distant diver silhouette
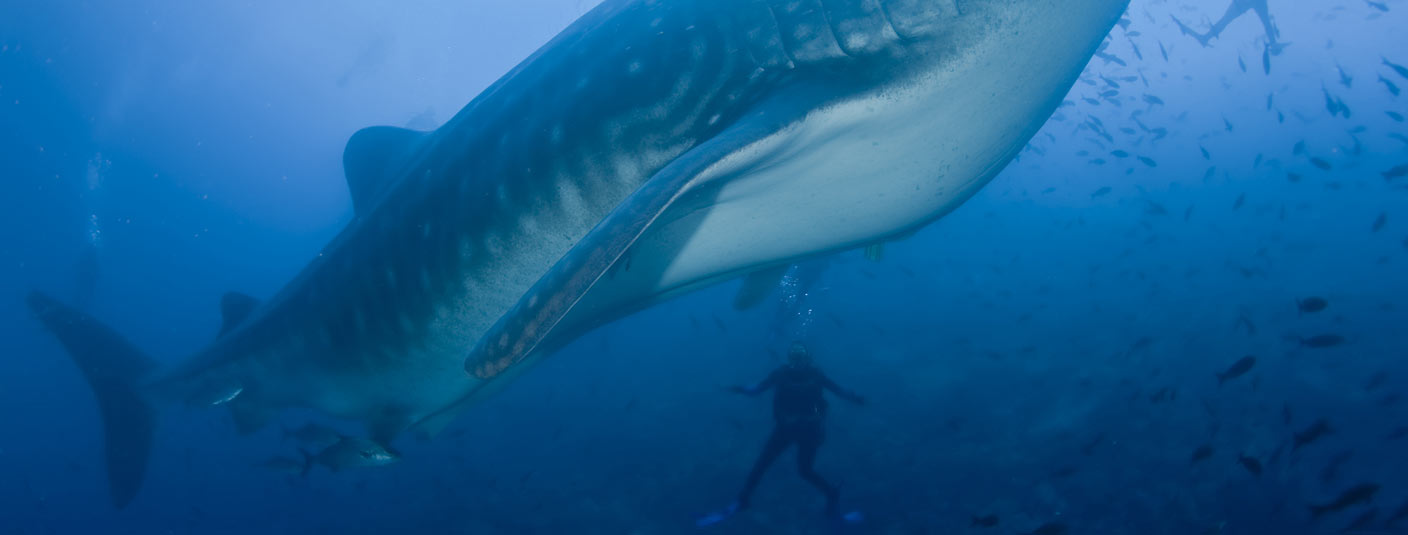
pixel 799 409
pixel 1235 10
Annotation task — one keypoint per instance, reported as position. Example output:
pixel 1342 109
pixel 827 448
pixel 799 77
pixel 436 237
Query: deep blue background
pixel 998 347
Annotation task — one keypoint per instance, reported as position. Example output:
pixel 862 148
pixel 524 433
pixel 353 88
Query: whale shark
pixel 651 148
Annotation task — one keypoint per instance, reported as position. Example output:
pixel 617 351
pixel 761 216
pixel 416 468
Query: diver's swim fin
pixel 851 518
pixel 1185 30
pixel 716 516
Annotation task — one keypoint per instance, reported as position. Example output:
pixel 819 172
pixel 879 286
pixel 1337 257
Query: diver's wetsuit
pixel 799 409
pixel 1234 10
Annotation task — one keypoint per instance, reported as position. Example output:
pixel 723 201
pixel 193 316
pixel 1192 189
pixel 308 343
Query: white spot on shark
pixel 698 49
pixel 494 245
pixel 528 224
pixel 856 41
pixel 570 200
pixel 467 248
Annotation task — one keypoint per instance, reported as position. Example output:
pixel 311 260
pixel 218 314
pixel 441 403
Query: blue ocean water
pixel 1047 355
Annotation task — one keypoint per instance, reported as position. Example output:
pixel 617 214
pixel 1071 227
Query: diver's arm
pixel 757 388
pixel 841 392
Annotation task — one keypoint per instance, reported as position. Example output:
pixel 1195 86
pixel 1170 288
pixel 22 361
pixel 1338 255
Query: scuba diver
pixel 1234 10
pixel 799 409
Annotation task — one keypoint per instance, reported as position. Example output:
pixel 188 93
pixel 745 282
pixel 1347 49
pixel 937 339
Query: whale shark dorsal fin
pixel 234 309
pixel 373 160
pixel 757 285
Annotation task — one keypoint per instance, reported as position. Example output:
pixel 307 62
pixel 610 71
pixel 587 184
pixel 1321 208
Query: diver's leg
pixel 1205 38
pixel 776 443
pixel 1188 31
pixel 807 444
pixel 1272 34
pixel 1234 10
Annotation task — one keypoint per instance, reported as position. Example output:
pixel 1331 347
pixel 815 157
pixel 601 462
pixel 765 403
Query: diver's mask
pixel 797 355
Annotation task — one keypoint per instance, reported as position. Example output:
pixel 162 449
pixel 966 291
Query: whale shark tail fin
pixel 113 368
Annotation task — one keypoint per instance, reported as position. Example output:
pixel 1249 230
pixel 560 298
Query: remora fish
pixel 352 452
pixel 652 148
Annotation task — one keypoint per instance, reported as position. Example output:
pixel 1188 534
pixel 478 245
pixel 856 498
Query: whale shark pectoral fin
pixel 517 333
pixel 757 285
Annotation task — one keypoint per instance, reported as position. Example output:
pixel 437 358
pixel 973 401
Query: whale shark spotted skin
pixel 651 148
